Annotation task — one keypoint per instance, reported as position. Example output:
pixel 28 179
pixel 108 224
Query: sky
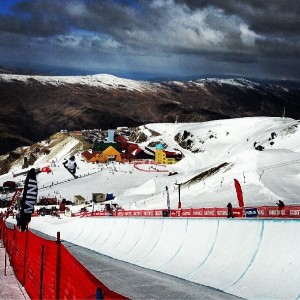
pixel 153 38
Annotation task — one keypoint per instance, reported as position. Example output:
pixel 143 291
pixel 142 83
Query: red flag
pixel 46 170
pixel 12 203
pixel 239 193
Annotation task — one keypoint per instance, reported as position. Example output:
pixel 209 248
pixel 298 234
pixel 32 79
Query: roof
pixel 134 149
pixel 79 197
pixel 135 152
pixel 87 154
pixel 110 150
pixel 159 146
pixel 120 139
pixel 101 146
pixel 170 154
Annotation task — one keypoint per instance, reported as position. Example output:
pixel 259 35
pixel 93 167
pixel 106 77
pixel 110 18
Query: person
pixel 62 206
pixel 229 210
pixel 71 165
pixel 280 204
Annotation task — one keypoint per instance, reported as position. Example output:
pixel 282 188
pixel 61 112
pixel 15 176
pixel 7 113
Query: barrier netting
pixel 270 212
pixel 48 270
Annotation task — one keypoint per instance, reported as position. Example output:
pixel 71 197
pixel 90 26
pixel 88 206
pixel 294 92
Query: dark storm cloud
pixel 35 18
pixel 277 21
pixel 275 16
pixel 149 33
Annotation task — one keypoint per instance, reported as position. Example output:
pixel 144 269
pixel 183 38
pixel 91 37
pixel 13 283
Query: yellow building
pixel 164 157
pixel 159 154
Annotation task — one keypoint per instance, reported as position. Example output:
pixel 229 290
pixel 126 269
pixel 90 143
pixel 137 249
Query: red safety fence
pixel 288 212
pixel 186 213
pixel 48 270
pixel 153 169
pixel 275 212
pixel 291 212
pixel 213 212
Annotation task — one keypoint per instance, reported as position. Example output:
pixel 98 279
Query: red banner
pixel 294 211
pixel 175 213
pixel 238 212
pixel 221 212
pixel 209 212
pixel 239 193
pixel 187 212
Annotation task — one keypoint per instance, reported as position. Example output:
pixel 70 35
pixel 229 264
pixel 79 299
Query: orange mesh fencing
pixel 48 270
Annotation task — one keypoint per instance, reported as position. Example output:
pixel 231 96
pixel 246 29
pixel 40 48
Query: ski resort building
pixel 162 156
pixel 78 200
pixel 98 197
pixel 109 154
pixel 95 157
pixel 102 146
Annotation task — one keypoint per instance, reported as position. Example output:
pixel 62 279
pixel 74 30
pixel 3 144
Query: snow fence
pixel 47 270
pixel 253 259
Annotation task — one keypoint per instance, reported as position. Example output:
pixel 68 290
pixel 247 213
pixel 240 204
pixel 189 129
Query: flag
pixel 28 200
pixel 239 193
pixel 168 199
pixel 46 170
pixel 13 201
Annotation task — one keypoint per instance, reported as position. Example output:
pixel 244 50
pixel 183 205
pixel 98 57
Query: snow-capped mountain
pixel 101 80
pixel 34 107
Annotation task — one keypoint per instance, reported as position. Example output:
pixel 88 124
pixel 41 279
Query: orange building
pixel 109 154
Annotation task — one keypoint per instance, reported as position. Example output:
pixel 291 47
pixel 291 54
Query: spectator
pixel 229 210
pixel 280 204
pixel 62 206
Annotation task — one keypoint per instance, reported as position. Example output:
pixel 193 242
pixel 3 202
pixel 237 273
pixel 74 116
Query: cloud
pixel 159 23
pixel 269 20
pixel 209 30
pixel 248 37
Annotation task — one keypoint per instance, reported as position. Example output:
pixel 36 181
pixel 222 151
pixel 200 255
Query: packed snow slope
pixel 217 152
pixel 253 259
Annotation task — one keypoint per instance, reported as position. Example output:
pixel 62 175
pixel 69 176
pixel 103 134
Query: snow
pixel 266 176
pixel 108 81
pixel 100 80
pixel 238 82
pixel 254 259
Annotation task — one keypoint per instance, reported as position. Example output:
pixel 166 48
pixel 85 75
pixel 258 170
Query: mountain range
pixel 34 107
